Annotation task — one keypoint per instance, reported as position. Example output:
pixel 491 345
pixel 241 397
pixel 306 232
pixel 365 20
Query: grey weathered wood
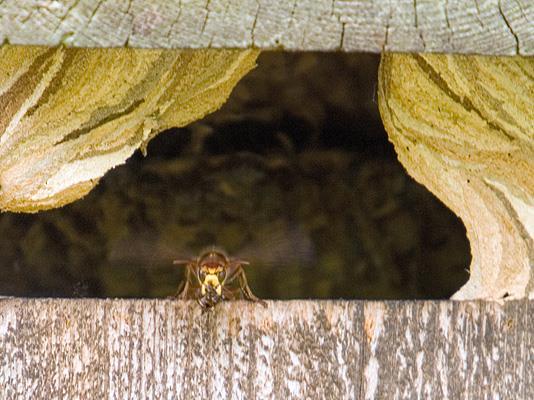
pixel 453 26
pixel 137 349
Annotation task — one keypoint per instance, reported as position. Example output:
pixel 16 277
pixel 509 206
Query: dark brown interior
pixel 295 173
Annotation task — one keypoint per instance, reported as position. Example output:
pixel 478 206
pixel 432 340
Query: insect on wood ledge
pixel 214 277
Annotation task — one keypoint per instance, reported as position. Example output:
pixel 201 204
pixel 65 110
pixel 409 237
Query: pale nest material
pixel 70 115
pixel 464 127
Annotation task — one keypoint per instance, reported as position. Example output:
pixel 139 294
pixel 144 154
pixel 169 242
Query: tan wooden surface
pixel 164 349
pixel 481 26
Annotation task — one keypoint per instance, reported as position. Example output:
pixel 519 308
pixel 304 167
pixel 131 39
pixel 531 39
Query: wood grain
pixel 163 349
pixel 482 26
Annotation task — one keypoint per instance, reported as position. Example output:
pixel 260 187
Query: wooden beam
pixel 94 349
pixel 482 27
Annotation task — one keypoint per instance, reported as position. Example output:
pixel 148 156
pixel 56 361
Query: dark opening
pixel 295 173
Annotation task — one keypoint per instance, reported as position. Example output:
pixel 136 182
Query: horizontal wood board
pixel 492 27
pixel 165 349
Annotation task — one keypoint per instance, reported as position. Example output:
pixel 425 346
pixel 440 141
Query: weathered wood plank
pixel 53 349
pixel 481 26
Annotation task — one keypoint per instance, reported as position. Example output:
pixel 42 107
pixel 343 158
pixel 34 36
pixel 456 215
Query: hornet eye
pixel 201 275
pixel 221 275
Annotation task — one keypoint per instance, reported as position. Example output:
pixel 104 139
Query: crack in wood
pixel 509 27
pixel 175 21
pixel 253 30
pixel 388 21
pixel 416 22
pixel 478 13
pixel 93 13
pixel 131 24
pixel 205 18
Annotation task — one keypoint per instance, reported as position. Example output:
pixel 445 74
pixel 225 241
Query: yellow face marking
pixel 212 280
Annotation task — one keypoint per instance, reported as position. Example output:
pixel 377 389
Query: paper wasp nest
pixel 69 115
pixel 464 127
